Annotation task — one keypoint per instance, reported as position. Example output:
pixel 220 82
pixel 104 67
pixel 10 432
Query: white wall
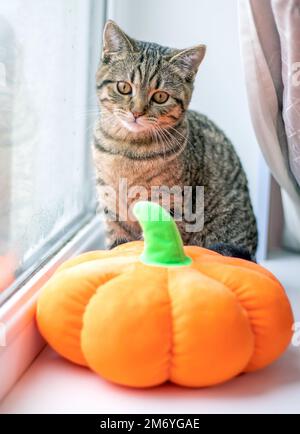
pixel 220 90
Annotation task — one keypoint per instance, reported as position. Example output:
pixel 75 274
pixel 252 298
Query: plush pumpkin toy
pixel 146 313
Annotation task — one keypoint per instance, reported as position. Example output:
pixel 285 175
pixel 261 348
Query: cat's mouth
pixel 135 126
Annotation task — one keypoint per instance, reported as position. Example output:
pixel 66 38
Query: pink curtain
pixel 270 40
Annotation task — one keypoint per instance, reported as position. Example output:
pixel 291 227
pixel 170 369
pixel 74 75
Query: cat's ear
pixel 189 60
pixel 115 40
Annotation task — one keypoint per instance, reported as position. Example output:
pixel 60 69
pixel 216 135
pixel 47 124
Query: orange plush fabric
pixel 140 325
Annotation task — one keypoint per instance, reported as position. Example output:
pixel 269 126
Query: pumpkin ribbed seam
pixel 251 322
pixel 171 351
pixel 252 327
pixel 85 310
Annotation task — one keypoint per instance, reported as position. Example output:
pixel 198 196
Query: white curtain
pixel 270 41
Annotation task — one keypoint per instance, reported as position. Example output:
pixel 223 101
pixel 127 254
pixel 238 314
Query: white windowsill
pixel 53 385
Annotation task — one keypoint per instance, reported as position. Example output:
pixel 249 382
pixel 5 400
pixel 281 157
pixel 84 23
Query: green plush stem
pixel 163 243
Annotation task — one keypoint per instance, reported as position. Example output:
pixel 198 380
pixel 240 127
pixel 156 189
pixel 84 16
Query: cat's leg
pixel 228 235
pixel 228 224
pixel 116 234
pixel 119 232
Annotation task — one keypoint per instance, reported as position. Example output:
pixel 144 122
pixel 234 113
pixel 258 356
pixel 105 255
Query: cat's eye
pixel 160 97
pixel 124 88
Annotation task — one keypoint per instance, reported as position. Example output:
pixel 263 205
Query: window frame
pixel 22 342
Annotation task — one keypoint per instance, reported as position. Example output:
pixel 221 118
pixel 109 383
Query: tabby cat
pixel 146 135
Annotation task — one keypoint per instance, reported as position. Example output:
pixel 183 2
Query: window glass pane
pixel 46 188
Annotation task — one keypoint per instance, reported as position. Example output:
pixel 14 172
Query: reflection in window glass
pixel 46 188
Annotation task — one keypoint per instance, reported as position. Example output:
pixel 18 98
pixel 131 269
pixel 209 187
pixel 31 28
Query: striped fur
pixel 170 146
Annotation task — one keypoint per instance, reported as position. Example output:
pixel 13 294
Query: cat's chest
pixel 119 171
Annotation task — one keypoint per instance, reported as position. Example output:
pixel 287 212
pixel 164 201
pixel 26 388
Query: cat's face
pixel 143 88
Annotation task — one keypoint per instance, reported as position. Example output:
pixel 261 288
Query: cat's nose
pixel 137 114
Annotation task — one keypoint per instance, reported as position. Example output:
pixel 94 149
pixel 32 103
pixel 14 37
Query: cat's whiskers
pixel 162 136
pixel 172 137
pixel 154 135
pixel 167 145
pixel 168 139
pixel 110 118
pixel 155 131
pixel 180 144
pixel 180 134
